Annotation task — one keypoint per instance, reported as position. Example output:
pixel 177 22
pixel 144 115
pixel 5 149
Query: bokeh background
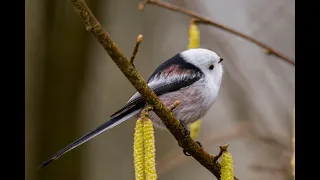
pixel 72 86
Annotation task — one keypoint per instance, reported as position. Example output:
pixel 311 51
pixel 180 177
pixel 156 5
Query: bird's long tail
pixel 105 126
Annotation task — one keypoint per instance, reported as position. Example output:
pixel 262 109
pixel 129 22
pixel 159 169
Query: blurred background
pixel 72 86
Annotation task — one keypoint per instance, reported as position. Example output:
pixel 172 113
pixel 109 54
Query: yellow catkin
pixel 227 166
pixel 194 129
pixel 149 145
pixel 194 36
pixel 194 41
pixel 138 151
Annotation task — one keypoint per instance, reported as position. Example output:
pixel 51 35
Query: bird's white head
pixel 207 61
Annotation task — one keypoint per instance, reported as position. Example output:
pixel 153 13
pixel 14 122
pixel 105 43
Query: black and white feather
pixel 186 77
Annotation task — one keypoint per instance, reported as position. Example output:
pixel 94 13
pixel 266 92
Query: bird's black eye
pixel 211 66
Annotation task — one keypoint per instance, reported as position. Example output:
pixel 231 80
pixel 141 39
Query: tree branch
pixel 173 125
pixel 175 158
pixel 203 20
pixel 136 48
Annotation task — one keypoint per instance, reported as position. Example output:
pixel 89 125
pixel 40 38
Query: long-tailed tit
pixel 193 77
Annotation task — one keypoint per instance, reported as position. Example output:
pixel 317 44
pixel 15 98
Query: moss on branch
pixel 176 129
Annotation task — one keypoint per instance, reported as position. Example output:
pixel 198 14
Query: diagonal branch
pixel 203 20
pixel 176 129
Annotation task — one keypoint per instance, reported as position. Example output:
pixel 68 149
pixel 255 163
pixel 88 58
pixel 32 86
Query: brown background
pixel 72 86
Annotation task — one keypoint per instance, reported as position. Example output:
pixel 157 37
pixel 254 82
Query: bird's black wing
pixel 170 76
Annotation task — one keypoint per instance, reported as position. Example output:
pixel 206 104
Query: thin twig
pixel 136 48
pixel 169 120
pixel 175 104
pixel 222 149
pixel 203 20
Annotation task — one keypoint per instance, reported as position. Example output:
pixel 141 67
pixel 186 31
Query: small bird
pixel 192 77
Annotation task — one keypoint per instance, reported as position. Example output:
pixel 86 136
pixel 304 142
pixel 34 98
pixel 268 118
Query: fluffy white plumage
pixel 196 99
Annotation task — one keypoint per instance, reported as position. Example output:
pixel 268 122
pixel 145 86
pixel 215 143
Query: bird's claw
pixel 186 130
pixel 186 135
pixel 199 144
pixel 185 153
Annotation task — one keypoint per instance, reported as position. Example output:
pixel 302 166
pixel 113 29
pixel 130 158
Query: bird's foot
pixel 186 135
pixel 186 132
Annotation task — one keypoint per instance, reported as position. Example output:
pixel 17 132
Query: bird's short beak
pixel 220 60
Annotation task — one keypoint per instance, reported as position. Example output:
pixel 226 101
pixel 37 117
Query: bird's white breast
pixel 195 101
